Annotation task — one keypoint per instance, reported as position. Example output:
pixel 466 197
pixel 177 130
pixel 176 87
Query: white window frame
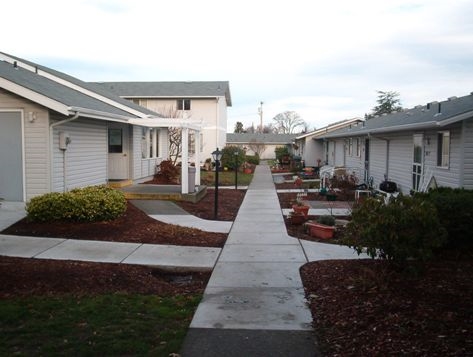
pixel 184 104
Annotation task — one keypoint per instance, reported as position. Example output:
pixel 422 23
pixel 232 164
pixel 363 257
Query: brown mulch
pixel 30 277
pixel 360 308
pixel 229 201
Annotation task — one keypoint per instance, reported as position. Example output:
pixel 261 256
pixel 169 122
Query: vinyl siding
pixel 86 156
pixel 339 153
pixel 141 168
pixel 449 177
pixel 468 154
pixel 400 161
pixel 378 156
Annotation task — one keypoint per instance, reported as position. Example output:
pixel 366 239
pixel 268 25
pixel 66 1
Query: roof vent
pixel 452 98
pixel 15 64
pixel 418 106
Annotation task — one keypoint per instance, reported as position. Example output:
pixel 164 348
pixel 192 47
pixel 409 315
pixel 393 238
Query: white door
pixel 118 160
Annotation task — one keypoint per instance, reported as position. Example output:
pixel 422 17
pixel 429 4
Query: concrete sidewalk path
pixel 169 212
pixel 156 255
pixel 254 303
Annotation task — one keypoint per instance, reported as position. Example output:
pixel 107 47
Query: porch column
pixel 197 157
pixel 185 161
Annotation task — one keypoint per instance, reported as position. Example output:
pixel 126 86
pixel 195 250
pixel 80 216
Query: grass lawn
pixel 103 325
pixel 225 178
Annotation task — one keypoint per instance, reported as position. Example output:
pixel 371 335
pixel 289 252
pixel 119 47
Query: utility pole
pixel 260 112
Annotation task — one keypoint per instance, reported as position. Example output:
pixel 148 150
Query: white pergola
pixel 185 125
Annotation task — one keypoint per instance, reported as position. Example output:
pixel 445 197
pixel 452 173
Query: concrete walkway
pixel 254 303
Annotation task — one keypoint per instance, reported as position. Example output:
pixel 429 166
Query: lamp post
pixel 236 169
pixel 216 155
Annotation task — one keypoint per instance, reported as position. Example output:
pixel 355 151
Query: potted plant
pixel 323 227
pixel 301 206
pixel 296 218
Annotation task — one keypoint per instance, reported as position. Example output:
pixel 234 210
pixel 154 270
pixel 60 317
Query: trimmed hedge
pixel 89 204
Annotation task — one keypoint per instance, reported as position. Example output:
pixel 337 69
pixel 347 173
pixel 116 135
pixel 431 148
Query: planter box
pixel 320 230
pixel 301 209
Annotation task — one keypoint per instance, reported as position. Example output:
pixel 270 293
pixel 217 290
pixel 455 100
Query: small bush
pixel 407 227
pixel 455 212
pixel 326 220
pixel 89 204
pixel 252 159
pixel 229 159
pixel 168 172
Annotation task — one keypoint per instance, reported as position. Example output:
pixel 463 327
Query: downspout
pixel 51 151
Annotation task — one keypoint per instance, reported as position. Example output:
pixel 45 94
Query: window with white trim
pixel 350 147
pixel 358 147
pixel 443 148
pixel 183 104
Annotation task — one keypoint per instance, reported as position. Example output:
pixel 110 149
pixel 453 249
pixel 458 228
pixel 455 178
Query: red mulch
pixel 363 308
pixel 29 277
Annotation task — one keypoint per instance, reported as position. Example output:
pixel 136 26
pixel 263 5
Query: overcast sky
pixel 323 59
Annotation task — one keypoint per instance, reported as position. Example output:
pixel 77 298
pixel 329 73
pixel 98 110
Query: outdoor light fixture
pixel 217 156
pixel 236 169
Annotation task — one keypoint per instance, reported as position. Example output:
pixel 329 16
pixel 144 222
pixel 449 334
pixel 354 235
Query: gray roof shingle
pixel 64 94
pixel 237 138
pixel 188 89
pixel 432 115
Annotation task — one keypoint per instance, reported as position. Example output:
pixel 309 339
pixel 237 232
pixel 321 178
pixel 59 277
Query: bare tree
pixel 175 134
pixel 288 121
pixel 257 147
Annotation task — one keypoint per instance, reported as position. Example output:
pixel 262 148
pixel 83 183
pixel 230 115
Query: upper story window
pixel 183 104
pixel 443 148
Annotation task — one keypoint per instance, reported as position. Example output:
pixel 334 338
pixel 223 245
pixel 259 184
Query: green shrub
pixel 326 220
pixel 280 152
pixel 407 227
pixel 89 204
pixel 455 212
pixel 252 159
pixel 229 159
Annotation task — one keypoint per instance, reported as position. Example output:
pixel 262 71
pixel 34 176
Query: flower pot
pixel 301 209
pixel 247 171
pixel 297 219
pixel 320 230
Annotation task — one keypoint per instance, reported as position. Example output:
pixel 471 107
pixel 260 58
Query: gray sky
pixel 323 59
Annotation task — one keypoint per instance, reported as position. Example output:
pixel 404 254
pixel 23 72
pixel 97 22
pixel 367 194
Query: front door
pixel 418 161
pixel 11 157
pixel 118 152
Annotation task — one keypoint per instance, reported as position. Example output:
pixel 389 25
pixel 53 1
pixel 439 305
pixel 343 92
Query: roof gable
pixel 66 92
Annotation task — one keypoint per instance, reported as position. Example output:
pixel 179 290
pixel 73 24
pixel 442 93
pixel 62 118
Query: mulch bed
pixel 33 277
pixel 134 226
pixel 363 308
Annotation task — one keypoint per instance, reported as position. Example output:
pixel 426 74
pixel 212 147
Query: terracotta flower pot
pixel 302 209
pixel 320 230
pixel 297 219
